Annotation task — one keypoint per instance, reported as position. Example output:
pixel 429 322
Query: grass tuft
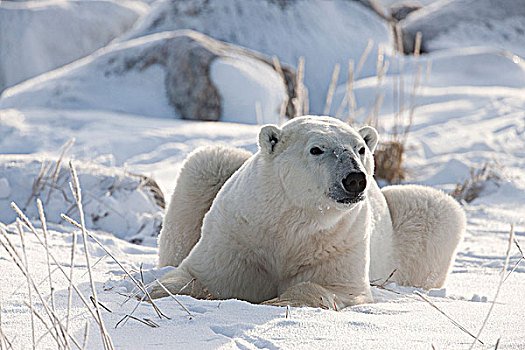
pixel 491 173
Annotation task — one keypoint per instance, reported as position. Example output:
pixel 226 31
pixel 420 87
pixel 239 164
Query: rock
pixel 325 33
pixel 402 10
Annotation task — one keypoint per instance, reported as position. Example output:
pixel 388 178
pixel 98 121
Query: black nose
pixel 355 182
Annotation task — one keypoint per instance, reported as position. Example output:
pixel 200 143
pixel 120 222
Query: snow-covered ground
pixel 469 109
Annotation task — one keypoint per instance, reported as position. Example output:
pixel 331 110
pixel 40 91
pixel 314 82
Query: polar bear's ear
pixel 269 137
pixel 369 134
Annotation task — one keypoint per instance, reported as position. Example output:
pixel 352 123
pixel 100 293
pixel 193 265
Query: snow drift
pixel 131 206
pixel 460 23
pixel 37 36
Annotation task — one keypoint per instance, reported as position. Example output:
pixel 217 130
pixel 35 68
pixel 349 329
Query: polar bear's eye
pixel 362 151
pixel 316 151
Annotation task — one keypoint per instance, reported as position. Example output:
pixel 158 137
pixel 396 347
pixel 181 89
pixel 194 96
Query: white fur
pixel 201 177
pixel 273 231
pixel 428 226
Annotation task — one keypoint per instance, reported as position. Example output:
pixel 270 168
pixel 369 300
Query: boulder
pixel 181 74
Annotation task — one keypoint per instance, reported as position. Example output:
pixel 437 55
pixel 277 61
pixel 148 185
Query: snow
pixel 240 83
pixel 37 36
pixel 469 110
pixel 455 24
pixel 323 32
pixel 114 79
pixel 114 200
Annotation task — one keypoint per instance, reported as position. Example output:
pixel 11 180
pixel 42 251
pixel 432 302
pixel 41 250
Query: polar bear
pixel 302 222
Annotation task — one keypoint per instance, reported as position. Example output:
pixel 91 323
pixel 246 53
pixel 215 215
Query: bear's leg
pixel 325 297
pixel 428 225
pixel 201 177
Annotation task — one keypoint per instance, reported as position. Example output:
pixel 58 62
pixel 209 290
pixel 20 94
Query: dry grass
pixel 77 193
pixel 53 325
pixel 490 173
pixel 476 338
pixel 300 100
pixel 389 155
pixel 48 177
pixel 284 103
pixel 454 322
pixel 388 158
pixel 331 89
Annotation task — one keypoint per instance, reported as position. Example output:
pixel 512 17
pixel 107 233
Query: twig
pixel 28 224
pixel 4 341
pixel 519 248
pixel 132 312
pixel 413 106
pixel 364 56
pixel 447 316
pixel 284 104
pixel 389 277
pixel 173 297
pixel 513 269
pixel 106 340
pixel 381 69
pixel 380 286
pixel 15 257
pixel 44 168
pixel 349 97
pixel 49 329
pixel 86 333
pixel 146 321
pixel 299 88
pixel 137 284
pixel 401 74
pixel 331 89
pixel 511 236
pixel 519 260
pixel 56 170
pixel 95 264
pixel 417 44
pixel 44 230
pixel 306 101
pixel 258 113
pixel 335 304
pixel 71 269
pixel 22 242
pixel 99 303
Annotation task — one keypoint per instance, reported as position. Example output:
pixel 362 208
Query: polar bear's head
pixel 320 161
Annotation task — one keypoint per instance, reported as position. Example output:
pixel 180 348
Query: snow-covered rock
pixel 171 74
pixel 323 32
pixel 37 36
pixel 460 23
pixel 128 205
